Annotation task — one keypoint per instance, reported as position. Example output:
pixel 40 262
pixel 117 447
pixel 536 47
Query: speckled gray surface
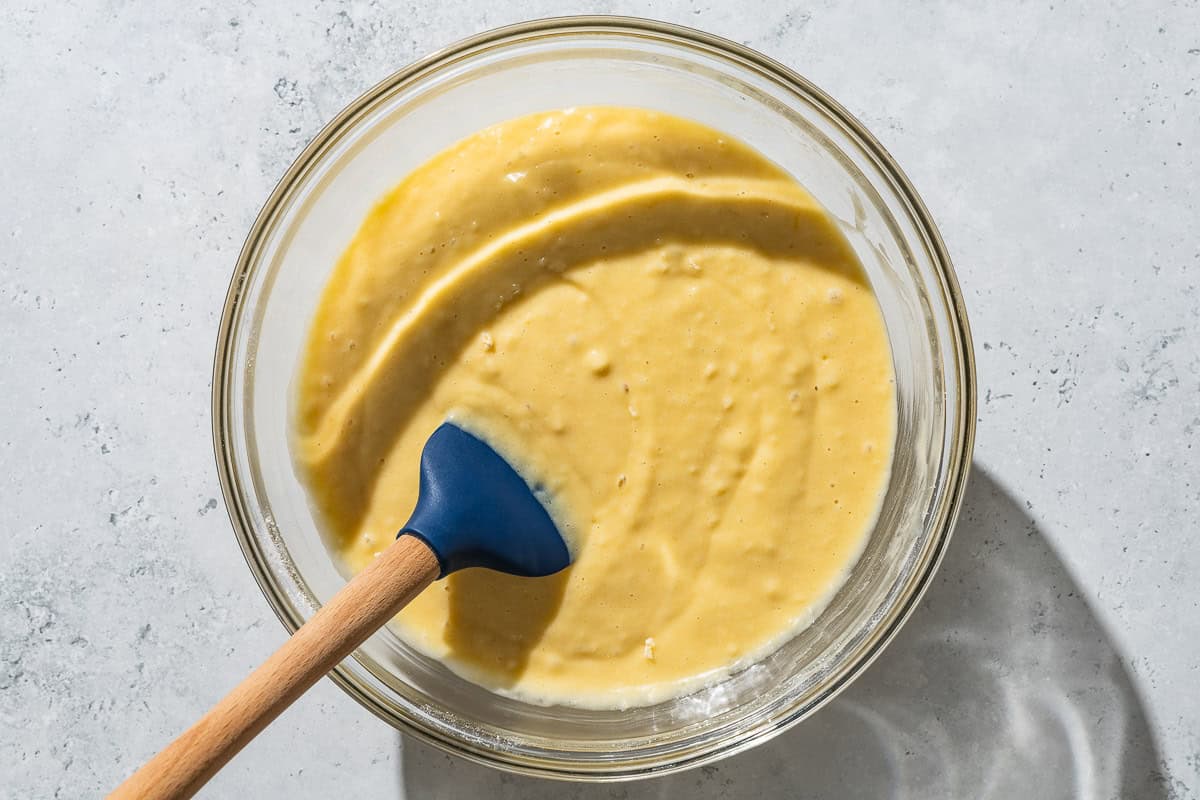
pixel 1056 144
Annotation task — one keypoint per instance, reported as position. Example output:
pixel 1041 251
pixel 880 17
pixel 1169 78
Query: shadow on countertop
pixel 1003 684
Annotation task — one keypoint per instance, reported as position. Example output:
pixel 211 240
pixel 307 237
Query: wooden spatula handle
pixel 362 607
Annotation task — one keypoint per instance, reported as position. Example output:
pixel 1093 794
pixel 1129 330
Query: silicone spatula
pixel 473 510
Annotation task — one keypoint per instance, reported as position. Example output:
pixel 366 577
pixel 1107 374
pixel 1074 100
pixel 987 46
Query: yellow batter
pixel 663 327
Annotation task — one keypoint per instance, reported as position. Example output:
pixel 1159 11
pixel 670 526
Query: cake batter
pixel 661 326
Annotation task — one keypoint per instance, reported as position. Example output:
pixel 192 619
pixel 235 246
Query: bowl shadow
pixel 1003 684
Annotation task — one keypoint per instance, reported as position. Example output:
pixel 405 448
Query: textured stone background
pixel 1057 145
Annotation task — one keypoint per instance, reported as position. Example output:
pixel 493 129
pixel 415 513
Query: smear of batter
pixel 671 333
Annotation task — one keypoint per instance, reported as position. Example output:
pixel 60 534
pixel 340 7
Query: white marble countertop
pixel 1058 146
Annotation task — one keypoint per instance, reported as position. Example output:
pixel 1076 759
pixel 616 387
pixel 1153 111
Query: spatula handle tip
pixel 363 606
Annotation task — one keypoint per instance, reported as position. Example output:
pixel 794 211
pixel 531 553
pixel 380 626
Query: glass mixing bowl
pixel 543 65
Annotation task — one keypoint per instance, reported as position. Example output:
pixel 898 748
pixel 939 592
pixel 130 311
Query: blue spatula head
pixel 474 510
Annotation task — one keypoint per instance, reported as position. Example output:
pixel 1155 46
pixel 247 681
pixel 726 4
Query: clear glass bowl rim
pixel 960 430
